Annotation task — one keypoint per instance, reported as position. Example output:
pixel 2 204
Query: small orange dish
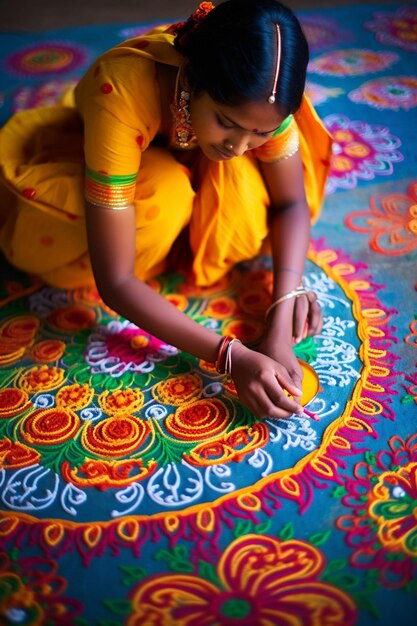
pixel 311 383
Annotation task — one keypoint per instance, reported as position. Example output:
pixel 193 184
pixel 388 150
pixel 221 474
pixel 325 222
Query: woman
pixel 197 134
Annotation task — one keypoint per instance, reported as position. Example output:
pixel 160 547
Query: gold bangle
pixel 295 293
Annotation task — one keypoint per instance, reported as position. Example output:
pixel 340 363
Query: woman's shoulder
pixel 131 64
pixel 155 45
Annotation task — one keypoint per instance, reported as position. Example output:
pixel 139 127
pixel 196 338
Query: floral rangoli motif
pixel 352 62
pixel 360 152
pixel 390 92
pixel 382 498
pixel 323 32
pixel 260 580
pixel 391 222
pixel 47 58
pixel 396 29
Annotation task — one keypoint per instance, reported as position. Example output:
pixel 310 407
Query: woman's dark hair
pixel 232 53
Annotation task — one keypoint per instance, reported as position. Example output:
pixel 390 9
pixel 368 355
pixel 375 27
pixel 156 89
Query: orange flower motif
pixel 391 222
pixel 192 290
pixel 115 436
pixel 248 331
pixel 42 378
pixel 221 308
pixel 121 401
pixel 15 455
pixel 48 351
pixel 13 401
pixel 106 474
pixel 178 389
pixel 178 300
pixel 10 351
pixel 255 301
pixel 90 297
pixel 16 335
pixel 72 318
pixel 263 278
pixel 233 446
pixel 198 420
pixel 262 580
pixel 47 427
pixel 21 329
pixel 74 396
pixel 209 368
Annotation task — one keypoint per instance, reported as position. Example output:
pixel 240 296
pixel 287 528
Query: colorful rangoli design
pixel 135 489
pixel 146 428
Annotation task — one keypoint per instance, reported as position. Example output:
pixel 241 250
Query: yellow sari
pixel 99 143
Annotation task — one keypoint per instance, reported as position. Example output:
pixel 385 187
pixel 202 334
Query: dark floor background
pixel 29 15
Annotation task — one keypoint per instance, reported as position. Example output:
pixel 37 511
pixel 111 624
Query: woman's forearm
pixel 139 303
pixel 289 236
pixel 112 247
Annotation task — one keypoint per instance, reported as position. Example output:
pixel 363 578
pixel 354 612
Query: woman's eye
pixel 223 123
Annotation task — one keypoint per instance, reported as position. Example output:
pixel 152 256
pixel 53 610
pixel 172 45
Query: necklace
pixel 183 136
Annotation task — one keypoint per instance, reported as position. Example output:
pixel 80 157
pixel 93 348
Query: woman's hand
pixel 260 382
pixel 282 352
pixel 307 317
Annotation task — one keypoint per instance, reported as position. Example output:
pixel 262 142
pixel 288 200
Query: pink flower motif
pixel 391 222
pixel 352 62
pixel 360 152
pixel 122 347
pixel 389 92
pixel 323 32
pixel 396 29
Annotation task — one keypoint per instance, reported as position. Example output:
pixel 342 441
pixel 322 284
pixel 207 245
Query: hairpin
pixel 271 98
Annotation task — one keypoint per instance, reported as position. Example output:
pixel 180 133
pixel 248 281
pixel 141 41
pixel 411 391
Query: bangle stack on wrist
pixel 224 355
pixel 295 293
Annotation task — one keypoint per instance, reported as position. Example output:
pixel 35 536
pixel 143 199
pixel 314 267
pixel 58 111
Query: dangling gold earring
pixel 183 135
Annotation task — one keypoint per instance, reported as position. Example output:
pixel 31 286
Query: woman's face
pixel 224 132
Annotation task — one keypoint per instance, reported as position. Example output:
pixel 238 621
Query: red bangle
pixel 221 355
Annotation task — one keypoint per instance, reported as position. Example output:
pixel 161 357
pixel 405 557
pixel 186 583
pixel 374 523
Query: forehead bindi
pixel 241 117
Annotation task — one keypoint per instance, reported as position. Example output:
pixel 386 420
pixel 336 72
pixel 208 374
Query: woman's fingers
pixel 315 316
pixel 263 384
pixel 270 401
pixel 308 317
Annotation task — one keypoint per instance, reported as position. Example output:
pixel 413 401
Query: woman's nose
pixel 237 145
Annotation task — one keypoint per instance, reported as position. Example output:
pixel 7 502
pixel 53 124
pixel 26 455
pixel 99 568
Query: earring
pixel 183 133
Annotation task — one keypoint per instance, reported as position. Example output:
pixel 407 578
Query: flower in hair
pixel 203 10
pixel 199 15
pixel 194 21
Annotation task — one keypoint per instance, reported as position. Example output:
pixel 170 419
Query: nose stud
pixel 229 146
